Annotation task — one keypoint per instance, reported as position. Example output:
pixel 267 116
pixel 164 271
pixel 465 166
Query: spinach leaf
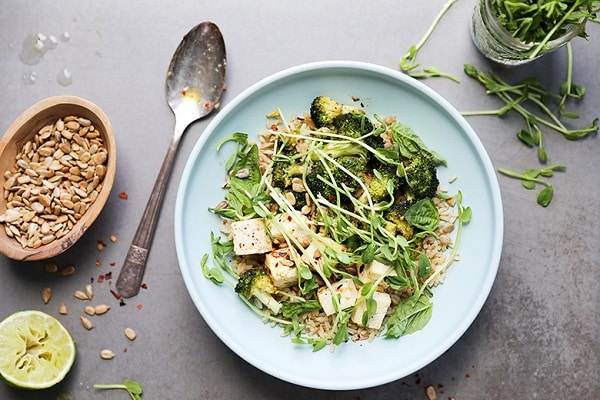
pixel 410 316
pixel 423 215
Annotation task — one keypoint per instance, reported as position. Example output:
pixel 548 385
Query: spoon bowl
pixel 194 84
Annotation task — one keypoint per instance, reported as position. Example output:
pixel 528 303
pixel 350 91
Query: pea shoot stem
pixel 407 61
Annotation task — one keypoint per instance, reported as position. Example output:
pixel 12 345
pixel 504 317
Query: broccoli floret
pixel 337 176
pixel 255 282
pixel 352 124
pixel 344 148
pixel 421 178
pixel 395 217
pixel 355 165
pixel 283 172
pixel 323 110
pixel 316 185
pixel 384 177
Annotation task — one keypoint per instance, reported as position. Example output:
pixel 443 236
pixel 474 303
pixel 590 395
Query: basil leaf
pixel 411 315
pixel 423 215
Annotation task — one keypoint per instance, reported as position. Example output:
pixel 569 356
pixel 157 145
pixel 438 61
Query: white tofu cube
pixel 383 301
pixel 346 291
pixel 250 237
pixel 291 228
pixel 282 268
pixel 373 271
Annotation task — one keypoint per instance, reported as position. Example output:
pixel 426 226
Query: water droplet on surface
pixel 34 48
pixel 29 77
pixel 64 77
pixel 52 42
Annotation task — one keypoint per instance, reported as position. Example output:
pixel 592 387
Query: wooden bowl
pixel 60 183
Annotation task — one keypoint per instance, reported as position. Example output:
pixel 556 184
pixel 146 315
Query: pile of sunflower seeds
pixel 56 177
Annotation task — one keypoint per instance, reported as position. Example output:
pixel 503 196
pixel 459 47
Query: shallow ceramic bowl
pixel 456 303
pixel 23 129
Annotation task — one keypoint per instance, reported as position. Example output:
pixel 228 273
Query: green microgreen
pixel 408 62
pixel 534 103
pixel 541 21
pixel 133 388
pixel 530 178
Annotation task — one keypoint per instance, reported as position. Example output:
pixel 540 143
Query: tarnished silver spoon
pixel 195 81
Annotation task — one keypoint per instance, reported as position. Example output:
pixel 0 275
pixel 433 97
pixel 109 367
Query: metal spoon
pixel 195 81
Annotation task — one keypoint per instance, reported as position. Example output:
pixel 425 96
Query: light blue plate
pixel 456 302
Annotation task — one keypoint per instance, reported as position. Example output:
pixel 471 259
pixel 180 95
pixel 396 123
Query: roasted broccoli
pixel 395 218
pixel 421 178
pixel 283 172
pixel 316 181
pixel 343 148
pixel 383 182
pixel 345 171
pixel 323 110
pixel 255 282
pixel 352 124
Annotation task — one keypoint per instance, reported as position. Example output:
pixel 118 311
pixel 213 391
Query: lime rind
pixel 36 350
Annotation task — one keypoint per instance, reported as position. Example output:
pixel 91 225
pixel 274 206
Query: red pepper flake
pixel 112 264
pixel 467 375
pixel 144 286
pixel 207 106
pixel 100 278
pixel 125 350
pixel 98 263
pixel 115 294
pixel 274 127
pixel 139 306
pixel 123 195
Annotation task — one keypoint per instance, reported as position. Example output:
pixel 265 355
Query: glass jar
pixel 497 44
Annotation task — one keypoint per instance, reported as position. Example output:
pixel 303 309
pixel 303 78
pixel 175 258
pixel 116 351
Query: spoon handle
pixel 132 272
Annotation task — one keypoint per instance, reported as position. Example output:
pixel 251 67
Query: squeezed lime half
pixel 36 350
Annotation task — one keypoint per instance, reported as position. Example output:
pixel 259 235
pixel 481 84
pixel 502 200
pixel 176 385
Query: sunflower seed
pixel 107 354
pixel 101 309
pixel 130 334
pixel 86 323
pixel 46 294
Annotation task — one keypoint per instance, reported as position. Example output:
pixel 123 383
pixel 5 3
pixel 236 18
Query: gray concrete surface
pixel 535 338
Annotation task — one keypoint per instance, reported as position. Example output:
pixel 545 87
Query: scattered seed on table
pixel 50 267
pixel 80 295
pixel 107 354
pixel 89 291
pixel 101 309
pixel 66 270
pixel 46 294
pixel 130 334
pixel 89 310
pixel 62 309
pixel 87 324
